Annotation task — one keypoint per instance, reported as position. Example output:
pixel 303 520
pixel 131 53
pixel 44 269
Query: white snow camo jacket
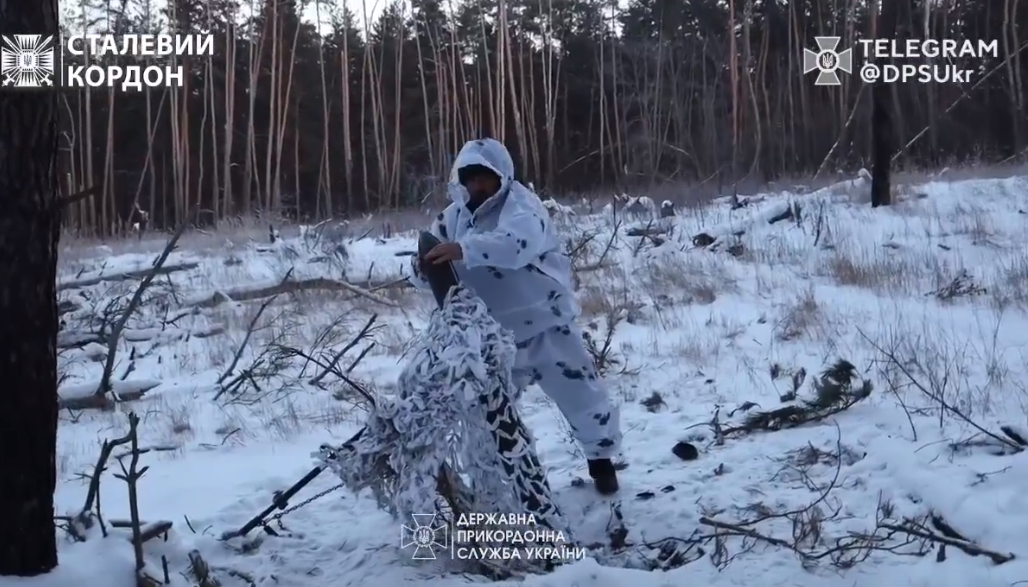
pixel 513 258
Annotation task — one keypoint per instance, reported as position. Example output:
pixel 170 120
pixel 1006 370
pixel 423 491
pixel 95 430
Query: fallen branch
pixel 141 532
pixel 591 267
pixel 809 542
pixel 65 201
pixel 290 287
pixel 602 259
pixel 606 360
pixel 835 391
pixel 79 524
pixel 902 367
pixel 968 547
pixel 328 368
pixel 75 340
pixel 79 397
pixel 148 530
pixel 201 571
pixel 67 307
pixel 131 475
pixel 244 577
pixel 119 326
pixel 334 370
pixel 143 451
pixel 126 276
pixel 808 538
pixel 238 355
pixel 269 362
pixel 646 231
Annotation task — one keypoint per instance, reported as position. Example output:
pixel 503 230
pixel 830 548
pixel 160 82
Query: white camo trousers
pixel 559 364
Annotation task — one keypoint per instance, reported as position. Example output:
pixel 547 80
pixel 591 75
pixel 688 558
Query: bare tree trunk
pixel 506 56
pixel 283 100
pixel 747 78
pixel 1018 69
pixel 216 193
pixel 882 136
pixel 551 83
pixel 602 74
pixel 347 131
pixel 148 164
pixel 73 217
pixel 733 75
pixel 275 110
pixel 108 217
pixel 228 198
pixel 206 111
pixel 882 146
pixel 1011 54
pixel 87 144
pixel 618 140
pixel 78 123
pixel 29 232
pixel 151 124
pixel 323 204
pixel 426 106
pixel 365 89
pixel 497 120
pixel 446 124
pixel 393 185
pixel 250 173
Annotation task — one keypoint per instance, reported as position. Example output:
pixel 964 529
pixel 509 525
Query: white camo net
pixel 453 414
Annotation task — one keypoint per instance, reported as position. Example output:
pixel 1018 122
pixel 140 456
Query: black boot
pixel 605 476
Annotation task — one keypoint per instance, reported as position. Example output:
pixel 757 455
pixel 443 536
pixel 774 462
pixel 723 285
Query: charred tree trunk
pixel 29 231
pixel 881 146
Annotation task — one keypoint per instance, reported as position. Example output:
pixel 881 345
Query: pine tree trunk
pixel 29 231
pixel 881 146
pixel 883 131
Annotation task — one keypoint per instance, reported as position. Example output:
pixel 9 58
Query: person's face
pixel 482 186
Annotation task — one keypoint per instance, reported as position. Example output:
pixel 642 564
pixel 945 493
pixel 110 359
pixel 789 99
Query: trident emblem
pixel 827 61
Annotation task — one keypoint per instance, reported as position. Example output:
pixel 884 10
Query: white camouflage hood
pixel 488 153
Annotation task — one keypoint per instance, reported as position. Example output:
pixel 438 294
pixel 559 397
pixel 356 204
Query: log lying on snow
pixel 147 530
pixel 266 291
pixel 772 215
pixel 125 276
pixel 148 334
pixel 72 339
pixel 84 397
pixel 90 351
pixel 646 231
pixel 67 307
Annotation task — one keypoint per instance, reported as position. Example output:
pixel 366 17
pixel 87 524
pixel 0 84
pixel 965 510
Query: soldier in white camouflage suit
pixel 499 236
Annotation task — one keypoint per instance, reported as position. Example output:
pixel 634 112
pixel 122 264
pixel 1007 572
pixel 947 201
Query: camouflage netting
pixel 452 431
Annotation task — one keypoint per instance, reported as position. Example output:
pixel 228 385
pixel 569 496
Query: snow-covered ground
pixel 704 336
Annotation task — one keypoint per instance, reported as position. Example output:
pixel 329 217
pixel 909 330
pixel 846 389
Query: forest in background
pixel 293 118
